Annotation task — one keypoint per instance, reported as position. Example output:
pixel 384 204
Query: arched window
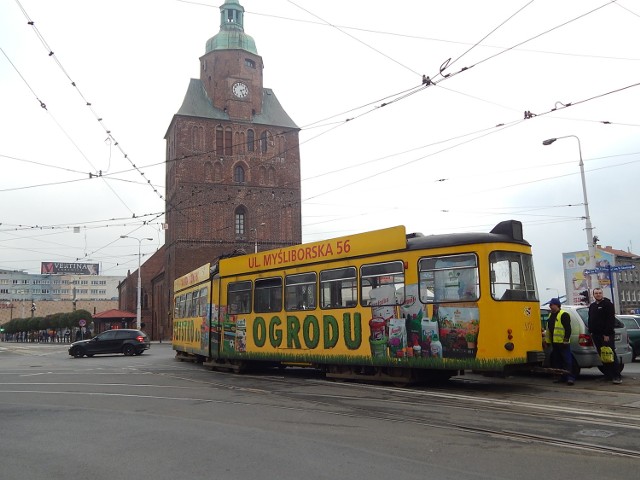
pixel 272 176
pixel 251 138
pixel 208 172
pixel 219 140
pixel 197 139
pixel 263 176
pixel 228 141
pixel 238 174
pixel 263 142
pixel 239 142
pixel 240 219
pixel 217 172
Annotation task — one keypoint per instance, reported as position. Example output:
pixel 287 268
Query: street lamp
pixel 139 304
pixel 556 290
pixel 587 218
pixel 255 229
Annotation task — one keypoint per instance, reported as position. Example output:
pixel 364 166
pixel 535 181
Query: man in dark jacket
pixel 602 321
pixel 558 334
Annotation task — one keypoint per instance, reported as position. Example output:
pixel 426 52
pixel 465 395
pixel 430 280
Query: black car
pixel 127 341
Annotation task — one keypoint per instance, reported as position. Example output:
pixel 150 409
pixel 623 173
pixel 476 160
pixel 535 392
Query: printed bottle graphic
pixel 414 329
pixel 436 346
pixel 428 329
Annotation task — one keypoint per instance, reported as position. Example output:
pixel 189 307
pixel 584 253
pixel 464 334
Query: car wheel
pixel 77 352
pixel 128 350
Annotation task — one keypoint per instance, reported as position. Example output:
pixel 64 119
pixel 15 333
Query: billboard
pixel 576 281
pixel 70 268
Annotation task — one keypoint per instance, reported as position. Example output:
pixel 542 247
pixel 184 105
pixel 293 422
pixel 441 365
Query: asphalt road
pixel 152 417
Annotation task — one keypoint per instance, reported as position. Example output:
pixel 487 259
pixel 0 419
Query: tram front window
pixel 512 277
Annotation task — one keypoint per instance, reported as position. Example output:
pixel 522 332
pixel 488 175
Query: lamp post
pixel 255 229
pixel 139 304
pixel 587 218
pixel 556 290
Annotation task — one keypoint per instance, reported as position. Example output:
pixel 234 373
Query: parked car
pixel 632 322
pixel 583 350
pixel 127 341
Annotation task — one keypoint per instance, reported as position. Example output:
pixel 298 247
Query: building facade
pixel 232 169
pixel 20 292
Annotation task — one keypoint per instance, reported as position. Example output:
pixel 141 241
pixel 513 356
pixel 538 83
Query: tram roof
pixel 509 231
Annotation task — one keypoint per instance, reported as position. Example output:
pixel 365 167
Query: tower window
pixel 238 174
pixel 249 63
pixel 263 142
pixel 251 138
pixel 219 140
pixel 240 215
pixel 228 141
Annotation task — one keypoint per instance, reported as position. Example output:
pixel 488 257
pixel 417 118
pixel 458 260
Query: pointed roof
pixel 231 35
pixel 197 104
pixel 115 313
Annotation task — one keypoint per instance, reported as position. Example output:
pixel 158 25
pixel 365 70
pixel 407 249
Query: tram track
pixel 419 406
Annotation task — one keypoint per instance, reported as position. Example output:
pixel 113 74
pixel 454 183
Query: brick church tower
pixel 233 159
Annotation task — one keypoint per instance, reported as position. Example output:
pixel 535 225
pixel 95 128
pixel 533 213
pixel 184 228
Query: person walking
pixel 602 320
pixel 558 334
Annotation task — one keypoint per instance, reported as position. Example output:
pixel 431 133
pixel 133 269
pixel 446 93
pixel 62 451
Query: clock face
pixel 240 90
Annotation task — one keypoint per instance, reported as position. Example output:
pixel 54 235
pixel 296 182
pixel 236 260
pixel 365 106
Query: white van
pixel 584 352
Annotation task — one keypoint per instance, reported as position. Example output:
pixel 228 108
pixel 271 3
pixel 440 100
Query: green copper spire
pixel 231 35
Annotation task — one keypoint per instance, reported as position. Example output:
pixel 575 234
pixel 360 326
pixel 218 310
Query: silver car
pixel 584 352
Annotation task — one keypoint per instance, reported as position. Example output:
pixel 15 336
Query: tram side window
pixel 201 309
pixel 192 303
pixel 382 284
pixel 338 288
pixel 512 276
pixel 239 297
pixel 451 278
pixel 179 313
pixel 183 306
pixel 300 291
pixel 268 295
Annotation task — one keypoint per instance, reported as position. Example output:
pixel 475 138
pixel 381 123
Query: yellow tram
pixel 380 305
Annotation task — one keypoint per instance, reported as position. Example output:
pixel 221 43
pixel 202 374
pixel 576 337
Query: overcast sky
pixel 377 148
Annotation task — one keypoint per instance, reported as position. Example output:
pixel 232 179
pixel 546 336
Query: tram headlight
pixel 509 346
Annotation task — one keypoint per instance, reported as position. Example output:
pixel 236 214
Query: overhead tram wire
pixel 354 38
pixel 420 37
pixel 462 143
pixel 445 64
pixel 5 227
pixel 82 154
pixel 87 103
pixel 41 164
pixel 490 33
pixel 502 52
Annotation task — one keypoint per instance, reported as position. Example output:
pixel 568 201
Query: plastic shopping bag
pixel 606 355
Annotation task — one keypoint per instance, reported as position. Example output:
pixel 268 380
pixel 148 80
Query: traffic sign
pixel 82 322
pixel 622 267
pixel 594 270
pixel 616 268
